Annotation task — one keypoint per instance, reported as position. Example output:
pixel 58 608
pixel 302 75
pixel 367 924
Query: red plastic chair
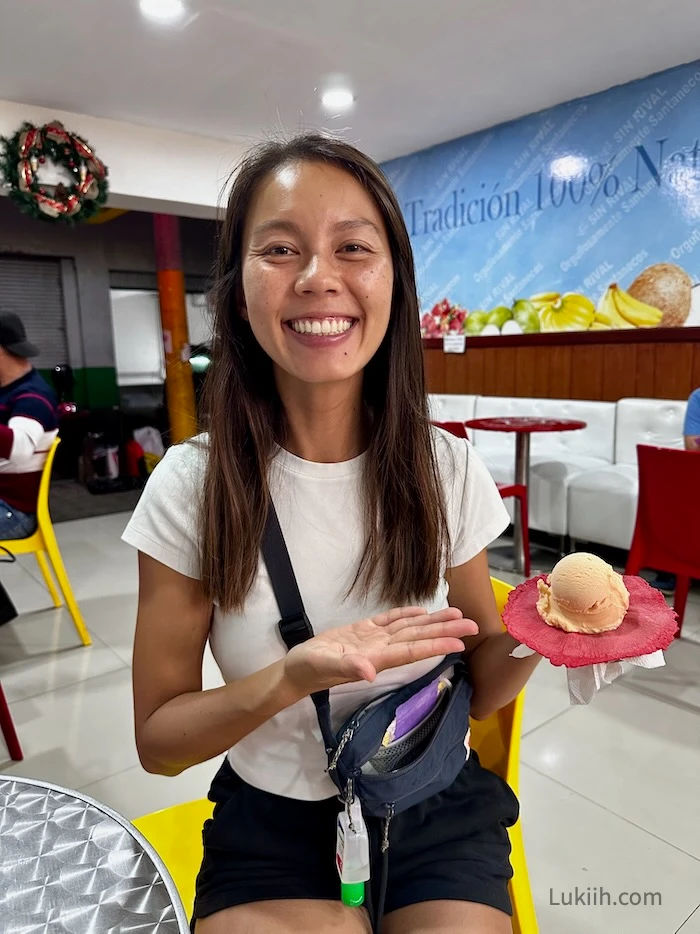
pixel 667 531
pixel 8 729
pixel 507 490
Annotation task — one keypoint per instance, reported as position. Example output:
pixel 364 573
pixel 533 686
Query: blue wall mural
pixel 584 216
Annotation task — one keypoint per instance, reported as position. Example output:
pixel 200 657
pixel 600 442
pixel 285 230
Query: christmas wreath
pixel 74 186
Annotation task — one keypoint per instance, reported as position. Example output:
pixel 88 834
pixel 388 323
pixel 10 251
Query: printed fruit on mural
pixel 444 317
pixel 526 315
pixel 608 314
pixel 568 312
pixel 602 322
pixel 499 316
pixel 476 322
pixel 543 299
pixel 667 287
pixel 625 311
pixel 430 326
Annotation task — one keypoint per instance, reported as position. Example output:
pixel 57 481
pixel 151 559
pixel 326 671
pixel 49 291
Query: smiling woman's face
pixel 317 273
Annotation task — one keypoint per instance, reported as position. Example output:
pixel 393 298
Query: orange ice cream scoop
pixel 583 594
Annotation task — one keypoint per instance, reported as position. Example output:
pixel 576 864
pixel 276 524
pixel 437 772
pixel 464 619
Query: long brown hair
pixel 405 521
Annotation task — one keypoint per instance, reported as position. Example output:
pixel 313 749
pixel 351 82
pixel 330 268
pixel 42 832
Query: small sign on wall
pixel 454 343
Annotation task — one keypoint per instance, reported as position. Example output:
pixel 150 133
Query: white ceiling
pixel 423 70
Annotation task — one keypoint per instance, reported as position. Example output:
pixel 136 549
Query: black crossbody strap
pixel 294 626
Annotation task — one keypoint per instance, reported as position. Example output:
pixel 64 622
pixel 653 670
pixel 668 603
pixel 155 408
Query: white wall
pixel 138 336
pixel 149 169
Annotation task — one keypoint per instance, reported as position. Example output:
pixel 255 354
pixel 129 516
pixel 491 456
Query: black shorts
pixel 454 845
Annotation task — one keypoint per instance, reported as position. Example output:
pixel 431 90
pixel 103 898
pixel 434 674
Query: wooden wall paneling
pixel 532 372
pixel 489 380
pixel 455 373
pixel 695 375
pixel 505 371
pixel 646 364
pixel 541 376
pixel 619 372
pixel 560 360
pixel 586 372
pixel 525 371
pixel 645 369
pixel 474 365
pixel 673 371
pixel 434 362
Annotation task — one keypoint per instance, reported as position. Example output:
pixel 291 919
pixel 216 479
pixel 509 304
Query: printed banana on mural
pixel 626 312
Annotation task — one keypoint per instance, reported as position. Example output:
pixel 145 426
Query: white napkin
pixel 584 683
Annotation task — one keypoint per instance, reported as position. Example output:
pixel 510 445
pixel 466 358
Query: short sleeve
pixel 692 415
pixel 165 523
pixel 476 513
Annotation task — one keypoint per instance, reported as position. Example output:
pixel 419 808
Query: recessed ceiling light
pixel 337 99
pixel 163 11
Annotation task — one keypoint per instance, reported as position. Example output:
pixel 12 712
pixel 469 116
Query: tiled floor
pixel 609 792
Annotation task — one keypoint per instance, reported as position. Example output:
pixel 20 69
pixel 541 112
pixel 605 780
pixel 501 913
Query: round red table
pixel 523 427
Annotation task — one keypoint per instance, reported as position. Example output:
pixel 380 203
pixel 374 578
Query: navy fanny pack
pixel 386 780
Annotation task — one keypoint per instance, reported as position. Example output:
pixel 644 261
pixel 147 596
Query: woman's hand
pixel 360 651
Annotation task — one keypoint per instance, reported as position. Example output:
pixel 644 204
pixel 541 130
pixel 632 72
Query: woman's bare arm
pixel 496 677
pixel 177 723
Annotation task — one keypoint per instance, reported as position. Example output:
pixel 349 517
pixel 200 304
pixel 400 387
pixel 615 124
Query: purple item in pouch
pixel 414 710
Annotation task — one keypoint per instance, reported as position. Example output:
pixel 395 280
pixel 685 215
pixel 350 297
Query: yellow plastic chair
pixel 176 832
pixel 176 835
pixel 43 544
pixel 497 740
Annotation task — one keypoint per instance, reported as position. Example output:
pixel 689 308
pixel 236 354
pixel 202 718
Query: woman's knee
pixel 300 916
pixel 447 917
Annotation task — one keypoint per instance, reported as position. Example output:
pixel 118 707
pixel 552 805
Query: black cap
pixel 13 337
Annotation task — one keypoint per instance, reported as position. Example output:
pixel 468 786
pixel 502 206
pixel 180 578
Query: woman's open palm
pixel 358 652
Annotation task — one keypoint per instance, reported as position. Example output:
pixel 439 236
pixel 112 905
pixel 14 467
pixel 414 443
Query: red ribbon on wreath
pixel 57 133
pixel 95 165
pixel 30 139
pixel 26 176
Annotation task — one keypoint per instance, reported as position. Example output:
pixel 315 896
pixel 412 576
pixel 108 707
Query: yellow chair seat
pixel 43 544
pixel 176 832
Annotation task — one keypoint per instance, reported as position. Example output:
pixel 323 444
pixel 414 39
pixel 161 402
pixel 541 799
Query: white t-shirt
pixel 320 514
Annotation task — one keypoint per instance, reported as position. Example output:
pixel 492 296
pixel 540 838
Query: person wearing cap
pixel 28 427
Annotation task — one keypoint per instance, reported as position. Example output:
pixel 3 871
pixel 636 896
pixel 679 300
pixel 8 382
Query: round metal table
pixel 523 427
pixel 71 865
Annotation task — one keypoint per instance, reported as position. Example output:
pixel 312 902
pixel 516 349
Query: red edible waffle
pixel 649 624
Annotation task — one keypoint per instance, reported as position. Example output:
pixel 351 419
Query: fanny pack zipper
pixel 352 725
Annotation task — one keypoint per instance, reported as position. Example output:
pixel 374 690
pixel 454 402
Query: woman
pixel 316 399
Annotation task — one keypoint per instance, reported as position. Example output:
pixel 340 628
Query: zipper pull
pixel 387 821
pixel 344 740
